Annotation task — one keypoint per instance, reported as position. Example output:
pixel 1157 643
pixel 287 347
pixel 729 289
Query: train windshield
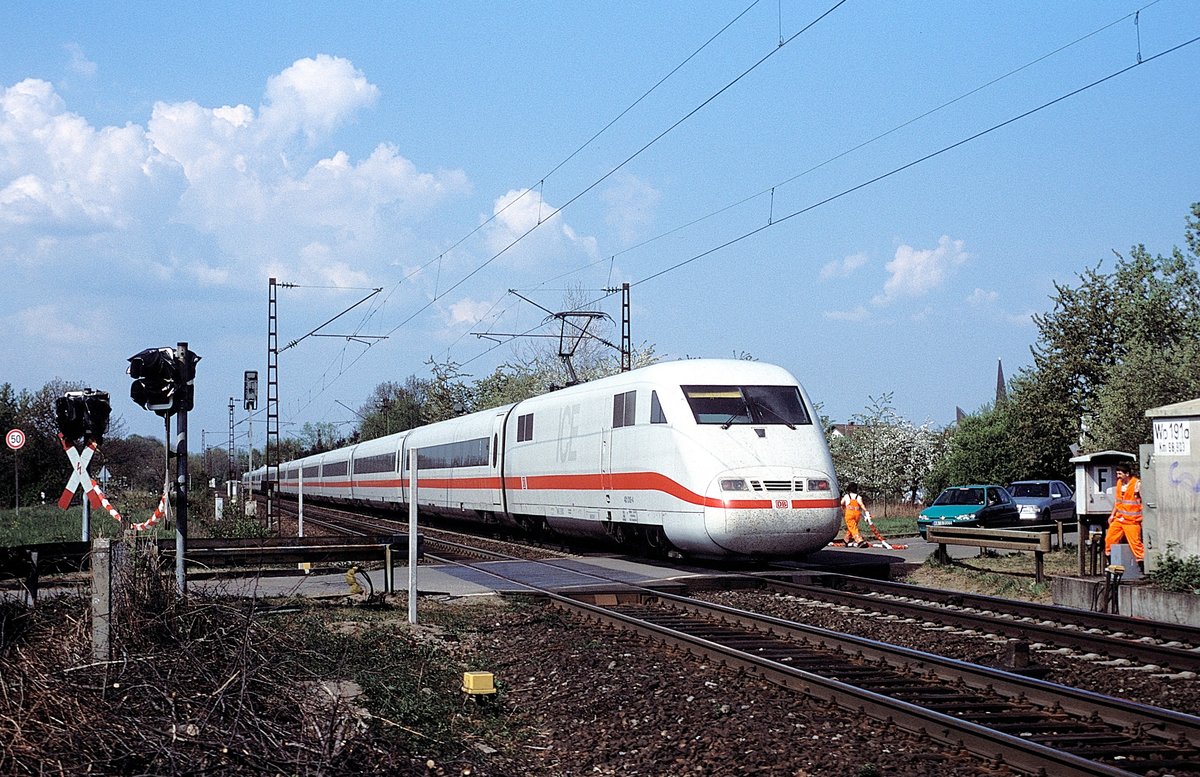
pixel 729 405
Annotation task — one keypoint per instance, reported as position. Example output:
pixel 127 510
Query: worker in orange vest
pixel 1126 517
pixel 853 509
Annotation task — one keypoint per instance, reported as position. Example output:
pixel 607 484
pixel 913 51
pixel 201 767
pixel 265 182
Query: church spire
pixel 1001 392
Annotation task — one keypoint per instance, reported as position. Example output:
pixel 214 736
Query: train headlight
pixel 819 485
pixel 734 484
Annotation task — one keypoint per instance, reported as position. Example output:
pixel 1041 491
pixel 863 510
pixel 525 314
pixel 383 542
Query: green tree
pixel 393 407
pixel 1112 347
pixel 135 462
pixel 318 438
pixel 447 395
pixel 980 450
pixel 888 456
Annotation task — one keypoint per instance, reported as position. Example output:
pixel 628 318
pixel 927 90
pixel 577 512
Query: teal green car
pixel 983 506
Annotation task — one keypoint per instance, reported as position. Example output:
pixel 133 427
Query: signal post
pixel 163 382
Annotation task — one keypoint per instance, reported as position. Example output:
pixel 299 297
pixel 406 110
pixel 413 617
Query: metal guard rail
pixel 1000 539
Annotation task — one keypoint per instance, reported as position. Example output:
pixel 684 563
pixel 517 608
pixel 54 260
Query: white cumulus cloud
pixel 58 173
pixel 979 297
pixel 468 311
pixel 522 215
pixel 859 313
pixel 843 268
pixel 917 271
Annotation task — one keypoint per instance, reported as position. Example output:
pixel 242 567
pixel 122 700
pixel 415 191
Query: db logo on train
pixel 781 504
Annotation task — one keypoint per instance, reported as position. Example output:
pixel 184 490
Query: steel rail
pixel 1167 632
pixel 1166 731
pixel 1049 629
pixel 977 739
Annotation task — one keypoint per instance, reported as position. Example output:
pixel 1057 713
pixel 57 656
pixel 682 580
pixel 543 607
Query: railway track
pixel 441 545
pixel 1030 725
pixel 1038 625
pixel 1011 721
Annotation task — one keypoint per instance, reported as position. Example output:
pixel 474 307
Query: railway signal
pixel 83 415
pixel 153 373
pixel 163 380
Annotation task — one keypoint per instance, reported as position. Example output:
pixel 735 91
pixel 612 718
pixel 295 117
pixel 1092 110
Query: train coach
pixel 704 458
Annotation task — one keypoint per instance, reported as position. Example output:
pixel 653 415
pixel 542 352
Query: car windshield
pixel 960 496
pixel 1031 489
pixel 728 405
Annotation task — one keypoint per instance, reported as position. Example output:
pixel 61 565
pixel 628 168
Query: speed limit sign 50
pixel 15 439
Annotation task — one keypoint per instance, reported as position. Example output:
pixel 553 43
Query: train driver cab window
pixel 729 405
pixel 624 409
pixel 656 412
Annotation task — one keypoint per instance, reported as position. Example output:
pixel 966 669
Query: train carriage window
pixel 466 453
pixel 729 405
pixel 624 409
pixel 656 412
pixel 312 472
pixel 382 462
pixel 525 427
pixel 333 468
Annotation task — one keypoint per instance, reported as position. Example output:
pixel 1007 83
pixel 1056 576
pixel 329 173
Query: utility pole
pixel 626 344
pixel 272 402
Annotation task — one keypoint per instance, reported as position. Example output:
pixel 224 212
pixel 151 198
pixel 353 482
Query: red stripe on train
pixel 617 481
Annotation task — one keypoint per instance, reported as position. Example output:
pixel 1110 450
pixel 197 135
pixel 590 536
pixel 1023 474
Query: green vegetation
pixel 1175 574
pixel 1113 344
pixel 47 523
pixel 1111 347
pixel 1007 575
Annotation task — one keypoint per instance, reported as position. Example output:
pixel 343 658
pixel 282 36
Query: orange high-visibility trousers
pixel 1130 531
pixel 853 536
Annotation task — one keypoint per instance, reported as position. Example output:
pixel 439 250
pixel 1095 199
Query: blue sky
pixel 156 169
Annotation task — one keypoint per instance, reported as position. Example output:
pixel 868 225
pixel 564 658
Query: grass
pixel 47 523
pixel 1008 575
pixel 892 520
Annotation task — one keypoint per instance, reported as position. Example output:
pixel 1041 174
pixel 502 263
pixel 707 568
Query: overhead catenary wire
pixel 542 179
pixel 775 221
pixel 791 179
pixel 612 171
pixel 914 162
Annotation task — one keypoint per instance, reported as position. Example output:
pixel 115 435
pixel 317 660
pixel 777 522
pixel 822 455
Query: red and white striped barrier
pixel 160 512
pixel 98 496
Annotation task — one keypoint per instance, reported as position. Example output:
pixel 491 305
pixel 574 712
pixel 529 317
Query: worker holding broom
pixel 853 511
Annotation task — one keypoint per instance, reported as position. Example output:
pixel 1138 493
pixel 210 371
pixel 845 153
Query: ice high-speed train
pixel 710 458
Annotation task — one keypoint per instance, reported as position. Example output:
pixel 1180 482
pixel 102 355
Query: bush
pixel 1175 574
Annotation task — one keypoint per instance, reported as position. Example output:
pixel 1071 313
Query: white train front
pixel 709 458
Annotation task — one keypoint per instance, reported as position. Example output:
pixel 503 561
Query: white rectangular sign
pixel 1173 438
